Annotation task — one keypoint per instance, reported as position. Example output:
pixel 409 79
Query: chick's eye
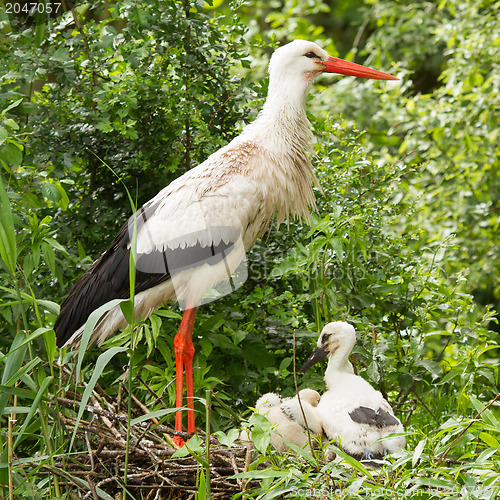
pixel 310 55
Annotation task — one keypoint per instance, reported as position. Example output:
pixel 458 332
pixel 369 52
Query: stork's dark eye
pixel 326 336
pixel 310 55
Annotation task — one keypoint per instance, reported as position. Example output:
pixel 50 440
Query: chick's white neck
pixel 338 365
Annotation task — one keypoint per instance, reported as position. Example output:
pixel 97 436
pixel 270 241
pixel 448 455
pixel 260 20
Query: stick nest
pixel 98 460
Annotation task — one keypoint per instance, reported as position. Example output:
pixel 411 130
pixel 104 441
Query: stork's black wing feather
pixel 379 418
pixel 364 415
pixel 109 277
pixel 385 419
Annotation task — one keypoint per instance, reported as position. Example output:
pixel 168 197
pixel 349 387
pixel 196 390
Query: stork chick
pixel 352 412
pixel 288 417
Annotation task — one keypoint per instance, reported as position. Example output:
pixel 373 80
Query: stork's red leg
pixel 188 367
pixel 179 389
pixel 184 352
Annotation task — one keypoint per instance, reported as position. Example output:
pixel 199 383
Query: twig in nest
pixel 92 491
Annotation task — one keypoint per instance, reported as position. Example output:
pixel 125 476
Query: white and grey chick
pixel 289 419
pixel 352 412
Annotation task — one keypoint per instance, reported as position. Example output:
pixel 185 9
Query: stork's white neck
pixel 283 118
pixel 287 93
pixel 281 133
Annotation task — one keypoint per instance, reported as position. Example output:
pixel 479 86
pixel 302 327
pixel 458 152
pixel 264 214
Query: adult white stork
pixel 193 234
pixel 351 411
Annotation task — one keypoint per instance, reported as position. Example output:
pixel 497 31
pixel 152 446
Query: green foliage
pixel 150 90
pixel 404 243
pixel 446 111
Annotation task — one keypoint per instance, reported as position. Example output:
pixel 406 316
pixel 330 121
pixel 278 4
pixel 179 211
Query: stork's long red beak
pixel 336 65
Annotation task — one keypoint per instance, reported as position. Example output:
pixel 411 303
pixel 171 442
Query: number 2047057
pixel 31 8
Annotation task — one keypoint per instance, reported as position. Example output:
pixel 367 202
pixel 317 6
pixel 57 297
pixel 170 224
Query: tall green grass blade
pixel 24 342
pixel 202 484
pixel 13 364
pixel 21 373
pixel 208 407
pixel 101 363
pixel 16 391
pixel 8 248
pixel 43 387
pixel 89 328
pixel 154 414
pixel 29 299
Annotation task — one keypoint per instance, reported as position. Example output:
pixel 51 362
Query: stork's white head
pixel 337 338
pixel 293 67
pixel 298 59
pixel 303 59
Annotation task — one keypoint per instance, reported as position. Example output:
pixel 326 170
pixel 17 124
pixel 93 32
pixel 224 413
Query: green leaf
pixel 49 257
pixel 263 474
pixel 13 364
pixel 306 454
pixel 40 27
pixel 405 381
pixel 9 122
pixel 15 391
pixel 23 370
pixel 202 487
pixel 21 340
pixel 418 451
pixel 51 192
pixel 61 55
pixel 11 154
pixel 193 447
pixel 261 439
pixel 486 414
pixel 3 135
pixel 64 200
pixel 489 440
pixel 168 313
pixel 127 307
pixel 431 366
pixel 354 463
pixel 12 106
pixel 227 439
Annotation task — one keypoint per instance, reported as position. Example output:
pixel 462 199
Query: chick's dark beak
pixel 319 354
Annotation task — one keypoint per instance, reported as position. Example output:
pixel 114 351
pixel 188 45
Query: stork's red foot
pixel 184 352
